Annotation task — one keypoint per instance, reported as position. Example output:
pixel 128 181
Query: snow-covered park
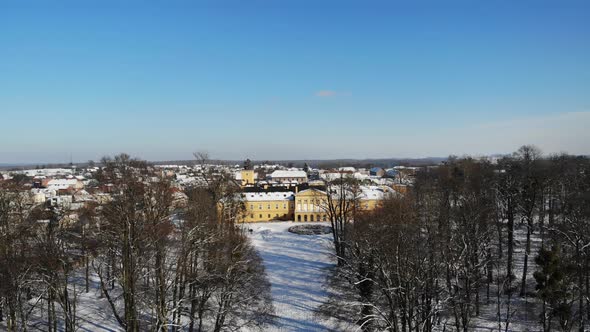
pixel 297 267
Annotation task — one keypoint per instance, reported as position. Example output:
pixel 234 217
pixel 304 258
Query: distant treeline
pixel 325 163
pixel 316 163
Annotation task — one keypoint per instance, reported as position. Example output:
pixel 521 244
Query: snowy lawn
pixel 297 267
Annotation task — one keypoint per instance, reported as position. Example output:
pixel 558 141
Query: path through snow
pixel 297 266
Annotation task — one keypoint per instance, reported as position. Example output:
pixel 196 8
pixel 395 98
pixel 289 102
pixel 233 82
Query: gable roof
pixel 268 196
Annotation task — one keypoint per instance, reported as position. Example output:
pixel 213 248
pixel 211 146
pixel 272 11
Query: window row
pixel 269 206
pixel 260 216
pixel 311 217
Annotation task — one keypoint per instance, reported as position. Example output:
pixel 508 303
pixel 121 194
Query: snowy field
pixel 297 267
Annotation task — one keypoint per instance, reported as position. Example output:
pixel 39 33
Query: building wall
pixel 247 177
pixel 310 205
pixel 290 179
pixel 257 211
pixel 369 204
pixel 400 188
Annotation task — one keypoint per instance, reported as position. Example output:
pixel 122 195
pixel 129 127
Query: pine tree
pixel 553 287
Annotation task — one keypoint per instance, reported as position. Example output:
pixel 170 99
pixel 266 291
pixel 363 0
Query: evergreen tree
pixel 247 164
pixel 553 288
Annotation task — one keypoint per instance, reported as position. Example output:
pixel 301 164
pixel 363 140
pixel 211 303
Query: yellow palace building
pixel 306 205
pixel 267 206
pixel 311 205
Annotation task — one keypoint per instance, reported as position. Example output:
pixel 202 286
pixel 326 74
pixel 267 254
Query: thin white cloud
pixel 326 93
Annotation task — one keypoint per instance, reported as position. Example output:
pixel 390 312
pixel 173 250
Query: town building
pixel 377 171
pixel 288 176
pixel 57 184
pixel 246 177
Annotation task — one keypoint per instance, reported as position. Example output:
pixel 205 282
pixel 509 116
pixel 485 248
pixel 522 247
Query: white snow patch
pixel 297 267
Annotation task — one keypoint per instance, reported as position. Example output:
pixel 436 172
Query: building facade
pixel 286 176
pixel 263 206
pixel 310 205
pixel 247 177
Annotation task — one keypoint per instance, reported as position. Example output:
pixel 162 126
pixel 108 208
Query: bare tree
pixel 340 203
pixel 16 255
pixel 530 184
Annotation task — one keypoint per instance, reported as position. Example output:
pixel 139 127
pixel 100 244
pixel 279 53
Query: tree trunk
pixel 527 252
pixel 161 280
pixel 581 315
pixel 509 263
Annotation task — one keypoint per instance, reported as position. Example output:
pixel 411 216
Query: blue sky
pixel 292 79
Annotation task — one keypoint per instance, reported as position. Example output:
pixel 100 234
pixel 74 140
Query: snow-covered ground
pixel 526 316
pixel 92 310
pixel 297 267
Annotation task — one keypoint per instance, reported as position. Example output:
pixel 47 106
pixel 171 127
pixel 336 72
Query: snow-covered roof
pixel 272 196
pixel 167 166
pixel 44 191
pixel 62 182
pixel 45 171
pixel 360 176
pixel 375 192
pixel 371 193
pixel 330 176
pixel 366 192
pixel 312 190
pixel 288 174
pixel 406 167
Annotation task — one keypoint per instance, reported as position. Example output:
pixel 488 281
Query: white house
pixel 57 184
pixel 282 176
